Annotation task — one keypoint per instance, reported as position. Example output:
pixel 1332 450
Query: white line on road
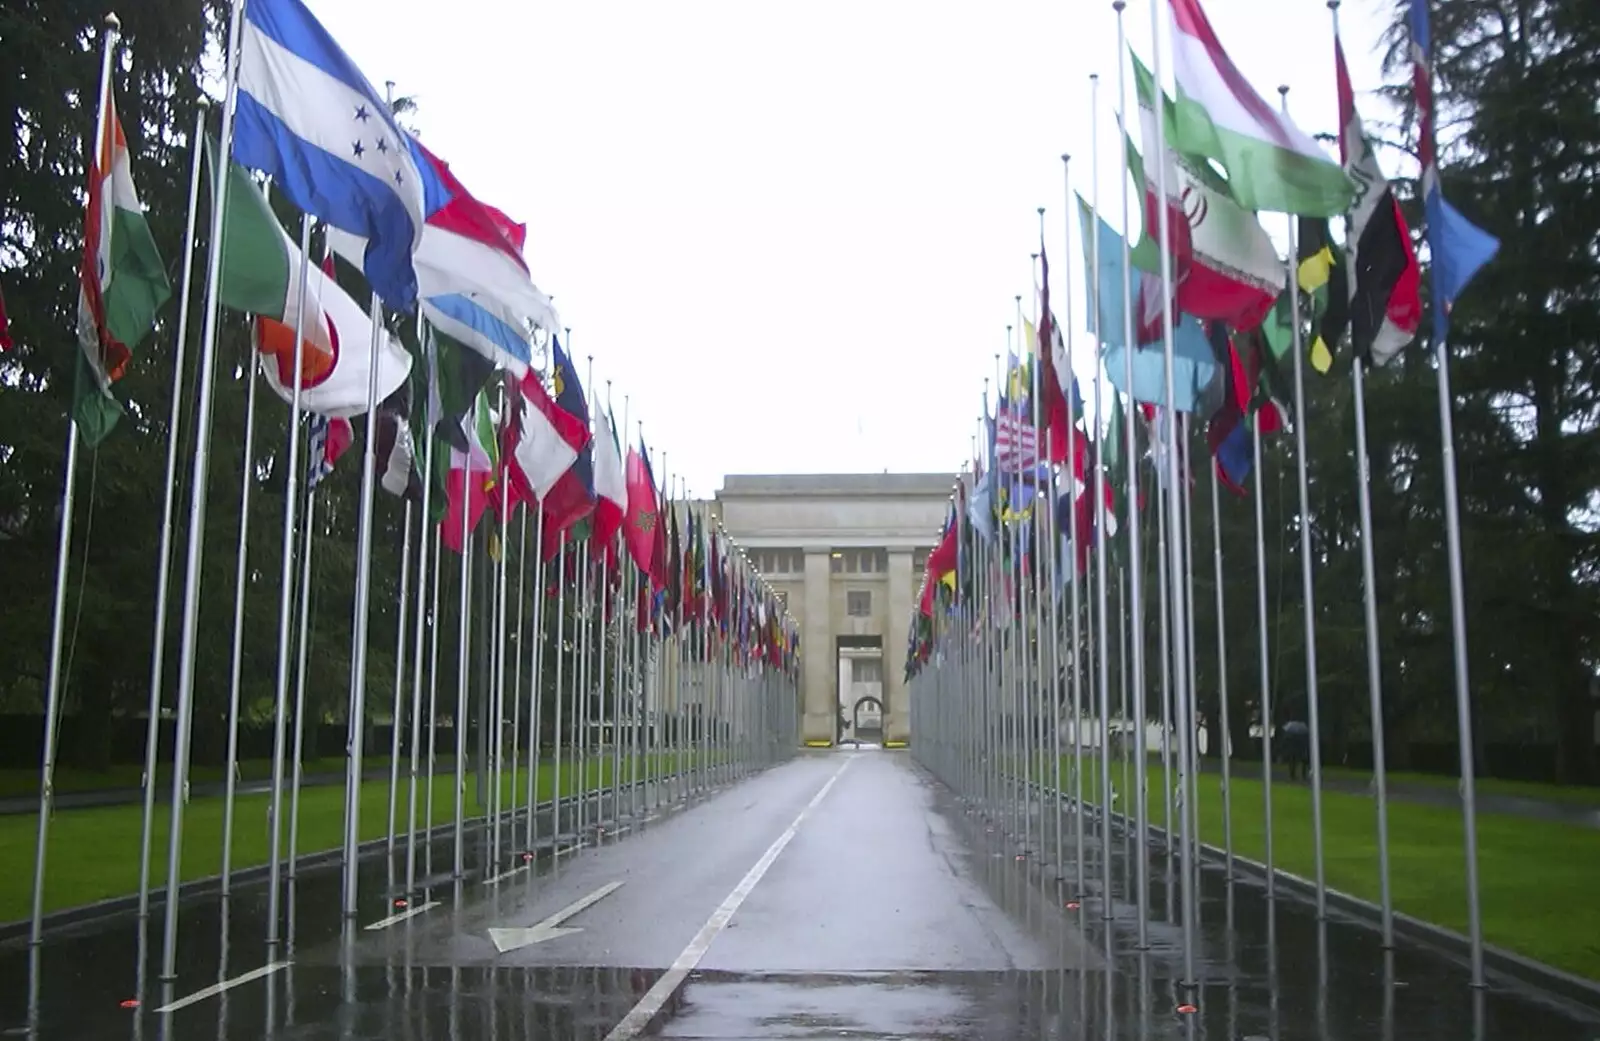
pixel 639 1017
pixel 218 988
pixel 502 876
pixel 403 915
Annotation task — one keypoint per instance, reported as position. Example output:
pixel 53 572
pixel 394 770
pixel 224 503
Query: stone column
pixel 897 701
pixel 820 654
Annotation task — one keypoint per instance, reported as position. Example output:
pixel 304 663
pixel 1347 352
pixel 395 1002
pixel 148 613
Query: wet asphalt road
pixel 842 895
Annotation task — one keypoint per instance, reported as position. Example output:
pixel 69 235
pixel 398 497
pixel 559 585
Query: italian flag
pixel 1272 164
pixel 122 281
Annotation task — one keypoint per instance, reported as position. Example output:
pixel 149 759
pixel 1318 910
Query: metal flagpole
pixel 240 580
pixel 1051 559
pixel 58 619
pixel 1265 658
pixel 516 687
pixel 1097 496
pixel 1191 726
pixel 433 675
pixel 582 645
pixel 158 642
pixel 497 674
pixel 358 664
pixel 1174 522
pixel 1075 645
pixel 197 514
pixel 561 661
pixel 301 654
pixel 396 713
pixel 1224 728
pixel 463 664
pixel 1313 713
pixel 1141 786
pixel 1163 491
pixel 1380 773
pixel 425 620
pixel 1420 44
pixel 536 671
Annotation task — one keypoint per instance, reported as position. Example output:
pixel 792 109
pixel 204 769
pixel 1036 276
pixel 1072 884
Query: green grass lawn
pixel 1536 878
pixel 25 783
pixel 94 852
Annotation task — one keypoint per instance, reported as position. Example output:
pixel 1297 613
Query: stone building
pixel 846 553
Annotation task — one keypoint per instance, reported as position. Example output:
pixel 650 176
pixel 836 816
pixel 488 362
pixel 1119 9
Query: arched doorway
pixel 866 720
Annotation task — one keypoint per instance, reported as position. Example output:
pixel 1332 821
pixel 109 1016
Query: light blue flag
pixel 1195 367
pixel 309 118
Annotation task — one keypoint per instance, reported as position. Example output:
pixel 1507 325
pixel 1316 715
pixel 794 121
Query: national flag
pixel 471 275
pixel 1384 287
pixel 1457 247
pixel 610 480
pixel 326 440
pixel 643 518
pixel 309 118
pixel 1016 442
pixel 454 376
pixel 396 451
pixel 1321 273
pixel 543 442
pixel 473 475
pixel 1194 365
pixel 1272 164
pixel 261 275
pixel 121 279
pixel 1224 265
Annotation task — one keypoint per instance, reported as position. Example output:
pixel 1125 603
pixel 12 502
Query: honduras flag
pixel 473 282
pixel 307 117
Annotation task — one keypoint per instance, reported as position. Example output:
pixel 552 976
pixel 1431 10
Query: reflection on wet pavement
pixel 928 925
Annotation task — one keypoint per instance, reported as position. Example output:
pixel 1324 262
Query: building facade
pixel 845 552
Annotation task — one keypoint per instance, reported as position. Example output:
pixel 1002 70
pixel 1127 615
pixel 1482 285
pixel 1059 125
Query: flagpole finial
pixel 1118 6
pixel 1041 211
pixel 1283 90
pixel 1065 158
pixel 112 21
pixel 1333 5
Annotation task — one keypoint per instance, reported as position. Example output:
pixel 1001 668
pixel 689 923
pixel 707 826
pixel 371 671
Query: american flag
pixel 1016 443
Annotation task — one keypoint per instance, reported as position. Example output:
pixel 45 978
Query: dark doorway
pixel 859 710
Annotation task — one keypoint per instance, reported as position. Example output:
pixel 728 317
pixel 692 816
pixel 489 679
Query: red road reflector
pixel 1187 1010
pixel 527 857
pixel 130 1003
pixel 1072 905
pixel 400 903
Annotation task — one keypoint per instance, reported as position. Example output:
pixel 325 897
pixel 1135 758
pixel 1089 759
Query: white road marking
pixel 639 1017
pixel 549 929
pixel 218 988
pixel 403 915
pixel 502 876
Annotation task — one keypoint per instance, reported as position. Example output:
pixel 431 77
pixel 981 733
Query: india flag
pixel 122 281
pixel 1272 164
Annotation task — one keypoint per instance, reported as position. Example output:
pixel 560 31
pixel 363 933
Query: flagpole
pixel 1225 730
pixel 516 686
pixel 1176 558
pixel 433 675
pixel 1313 713
pixel 1265 658
pixel 1051 557
pixel 1190 742
pixel 395 713
pixel 1163 491
pixel 357 717
pixel 52 713
pixel 197 511
pixel 497 675
pixel 561 659
pixel 158 641
pixel 582 645
pixel 1452 504
pixel 241 579
pixel 301 654
pixel 536 672
pixel 620 664
pixel 1071 566
pixel 1141 780
pixel 425 621
pixel 1380 773
pixel 463 657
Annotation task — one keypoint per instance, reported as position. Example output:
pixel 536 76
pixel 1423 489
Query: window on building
pixel 859 561
pixel 779 561
pixel 919 559
pixel 858 603
pixel 867 670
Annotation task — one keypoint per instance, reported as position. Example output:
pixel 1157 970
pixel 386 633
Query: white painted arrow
pixel 551 928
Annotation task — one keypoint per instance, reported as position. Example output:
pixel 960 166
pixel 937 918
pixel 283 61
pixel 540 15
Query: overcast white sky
pixel 791 232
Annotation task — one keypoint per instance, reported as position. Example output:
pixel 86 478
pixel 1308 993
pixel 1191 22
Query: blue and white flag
pixel 308 117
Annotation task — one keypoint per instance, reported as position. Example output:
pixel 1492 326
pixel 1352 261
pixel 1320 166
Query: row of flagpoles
pixel 1038 583
pixel 680 668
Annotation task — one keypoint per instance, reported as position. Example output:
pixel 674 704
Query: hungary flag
pixel 121 280
pixel 262 274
